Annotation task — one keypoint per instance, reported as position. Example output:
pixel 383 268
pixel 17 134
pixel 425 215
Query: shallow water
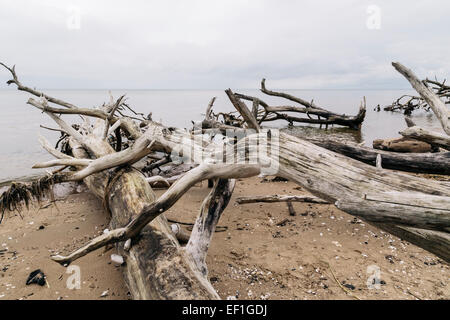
pixel 19 122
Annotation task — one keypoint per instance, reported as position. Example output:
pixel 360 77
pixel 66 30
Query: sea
pixel 20 122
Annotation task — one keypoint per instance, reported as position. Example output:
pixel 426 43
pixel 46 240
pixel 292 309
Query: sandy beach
pixel 263 253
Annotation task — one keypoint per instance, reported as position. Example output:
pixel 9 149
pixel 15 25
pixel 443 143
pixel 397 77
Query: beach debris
pixel 283 222
pixel 348 285
pixel 36 276
pixel 291 209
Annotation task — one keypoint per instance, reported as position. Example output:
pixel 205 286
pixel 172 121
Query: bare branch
pixel 286 96
pixel 63 162
pixel 21 87
pixel 110 116
pixel 280 198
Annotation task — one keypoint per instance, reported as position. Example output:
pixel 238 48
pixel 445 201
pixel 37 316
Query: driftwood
pixel 433 138
pixel 280 198
pixel 402 144
pixel 439 108
pixel 436 163
pixel 408 103
pixel 289 113
pixel 413 208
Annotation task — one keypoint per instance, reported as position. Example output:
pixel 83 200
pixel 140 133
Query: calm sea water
pixel 19 122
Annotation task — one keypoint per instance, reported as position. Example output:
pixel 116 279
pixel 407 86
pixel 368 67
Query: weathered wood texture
pixel 436 163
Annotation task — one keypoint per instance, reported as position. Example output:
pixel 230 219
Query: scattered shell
pixel 127 245
pixel 117 259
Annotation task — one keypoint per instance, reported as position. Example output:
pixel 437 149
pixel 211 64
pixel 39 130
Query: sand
pixel 321 253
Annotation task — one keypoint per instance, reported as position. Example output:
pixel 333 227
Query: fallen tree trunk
pixel 435 163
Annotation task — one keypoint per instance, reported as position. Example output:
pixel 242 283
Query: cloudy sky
pixel 210 44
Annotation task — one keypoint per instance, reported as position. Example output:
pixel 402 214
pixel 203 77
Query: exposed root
pixel 19 194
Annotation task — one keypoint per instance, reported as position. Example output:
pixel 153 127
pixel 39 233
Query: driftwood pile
pixel 408 103
pixel 106 153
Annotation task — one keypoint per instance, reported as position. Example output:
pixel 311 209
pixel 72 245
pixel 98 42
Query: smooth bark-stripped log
pixel 435 163
pixel 433 138
pixel 280 198
pixel 156 267
pixel 405 208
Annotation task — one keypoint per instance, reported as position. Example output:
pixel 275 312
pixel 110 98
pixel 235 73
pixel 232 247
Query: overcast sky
pixel 209 44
